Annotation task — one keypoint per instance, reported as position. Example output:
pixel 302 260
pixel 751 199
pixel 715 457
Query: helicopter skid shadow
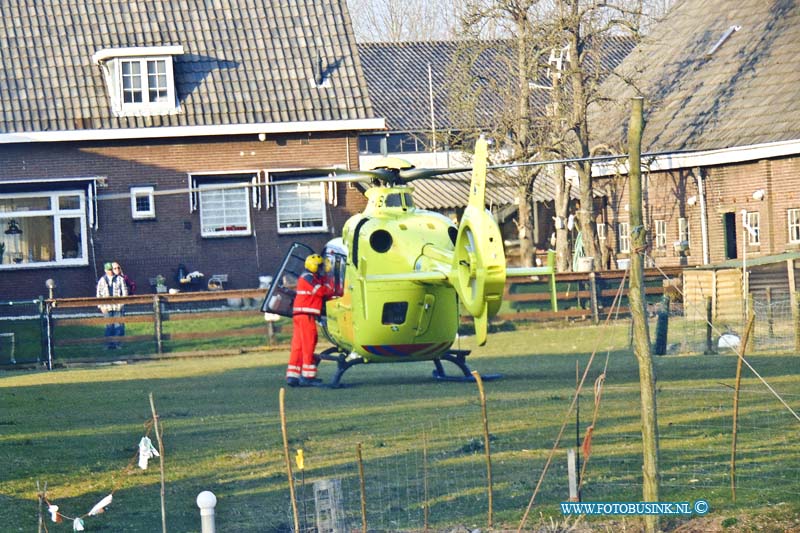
pixel 465 379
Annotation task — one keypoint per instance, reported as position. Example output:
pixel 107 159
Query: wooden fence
pixel 159 312
pixel 580 295
pixel 583 294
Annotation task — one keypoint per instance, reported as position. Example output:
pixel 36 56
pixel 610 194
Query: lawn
pixel 77 429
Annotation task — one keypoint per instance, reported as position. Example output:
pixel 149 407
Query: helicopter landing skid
pixel 458 358
pixel 342 364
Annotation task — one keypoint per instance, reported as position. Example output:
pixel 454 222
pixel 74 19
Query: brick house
pixel 722 108
pixel 157 134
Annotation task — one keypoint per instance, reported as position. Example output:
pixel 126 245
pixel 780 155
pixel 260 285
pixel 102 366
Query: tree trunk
pixel 561 205
pixel 524 222
pixel 641 334
pixel 581 125
pixel 525 227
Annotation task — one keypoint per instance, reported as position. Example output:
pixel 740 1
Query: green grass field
pixel 77 429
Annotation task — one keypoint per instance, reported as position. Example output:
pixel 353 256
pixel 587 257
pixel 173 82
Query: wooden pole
pixel 770 316
pixel 641 335
pixel 41 502
pixel 363 488
pixel 709 326
pixel 593 296
pixel 486 445
pixel 282 405
pixel 157 324
pixel 751 339
pixel 748 329
pixel 160 464
pixel 425 505
pixel 797 326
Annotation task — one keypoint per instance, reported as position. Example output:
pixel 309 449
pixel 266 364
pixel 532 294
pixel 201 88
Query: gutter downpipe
pixel 703 219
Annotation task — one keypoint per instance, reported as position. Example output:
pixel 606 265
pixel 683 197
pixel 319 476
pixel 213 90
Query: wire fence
pixel 409 487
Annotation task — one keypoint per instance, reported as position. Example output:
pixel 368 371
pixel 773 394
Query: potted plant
pixel 160 284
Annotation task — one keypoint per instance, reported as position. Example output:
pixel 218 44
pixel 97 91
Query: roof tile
pixel 47 47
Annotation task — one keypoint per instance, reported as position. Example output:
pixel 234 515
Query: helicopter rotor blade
pixel 412 174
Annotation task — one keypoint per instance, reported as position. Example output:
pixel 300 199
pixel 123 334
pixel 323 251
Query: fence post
pixel 709 325
pixel 751 341
pixel 797 325
pixel 206 501
pixel 662 326
pixel 593 296
pixel 157 324
pixel 42 330
pixel 46 320
pixel 770 322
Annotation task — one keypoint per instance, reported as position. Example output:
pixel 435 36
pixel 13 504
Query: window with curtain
pixel 43 229
pixel 301 207
pixel 224 209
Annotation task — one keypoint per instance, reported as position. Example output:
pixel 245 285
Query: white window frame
pixel 754 221
pixel 139 192
pixel 660 234
pixel 57 213
pixel 684 233
pixel 145 86
pixel 601 231
pixel 286 213
pixel 228 192
pixel 793 221
pixel 111 60
pixel 624 237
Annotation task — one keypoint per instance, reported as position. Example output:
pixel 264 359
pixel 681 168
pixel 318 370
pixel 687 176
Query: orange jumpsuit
pixel 311 292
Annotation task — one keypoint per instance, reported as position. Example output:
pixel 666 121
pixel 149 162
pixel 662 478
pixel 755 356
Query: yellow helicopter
pixel 400 273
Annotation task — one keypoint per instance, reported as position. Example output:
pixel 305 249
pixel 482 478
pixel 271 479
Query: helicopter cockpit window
pixel 337 263
pixel 393 200
pixel 398 200
pixel 394 312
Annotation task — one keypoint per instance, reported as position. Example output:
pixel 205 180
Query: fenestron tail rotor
pixel 479 262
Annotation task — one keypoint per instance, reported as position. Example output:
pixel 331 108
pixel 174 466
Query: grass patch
pixel 77 429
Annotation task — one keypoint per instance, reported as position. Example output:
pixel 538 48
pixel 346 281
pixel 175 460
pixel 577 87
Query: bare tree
pixel 560 51
pixel 404 20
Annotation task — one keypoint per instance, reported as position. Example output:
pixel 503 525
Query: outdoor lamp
pixel 50 284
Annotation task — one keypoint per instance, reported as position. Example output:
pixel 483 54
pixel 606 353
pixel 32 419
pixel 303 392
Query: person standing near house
pixel 129 283
pixel 312 289
pixel 111 284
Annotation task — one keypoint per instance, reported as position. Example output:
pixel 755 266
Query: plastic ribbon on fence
pixel 146 451
pixel 100 506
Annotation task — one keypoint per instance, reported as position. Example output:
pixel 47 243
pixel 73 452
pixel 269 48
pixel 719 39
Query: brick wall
pixel 728 190
pixel 147 248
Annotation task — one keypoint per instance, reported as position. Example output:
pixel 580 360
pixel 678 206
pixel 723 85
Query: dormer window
pixel 140 80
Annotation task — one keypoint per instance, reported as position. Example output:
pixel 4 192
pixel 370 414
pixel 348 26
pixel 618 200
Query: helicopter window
pixel 452 232
pixel 393 200
pixel 394 312
pixel 381 241
pixel 408 199
pixel 356 237
pixel 338 262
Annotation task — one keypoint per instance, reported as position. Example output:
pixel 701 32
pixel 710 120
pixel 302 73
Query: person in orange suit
pixel 312 289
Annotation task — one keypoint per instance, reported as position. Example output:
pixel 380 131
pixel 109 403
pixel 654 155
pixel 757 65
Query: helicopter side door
pixel 282 291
